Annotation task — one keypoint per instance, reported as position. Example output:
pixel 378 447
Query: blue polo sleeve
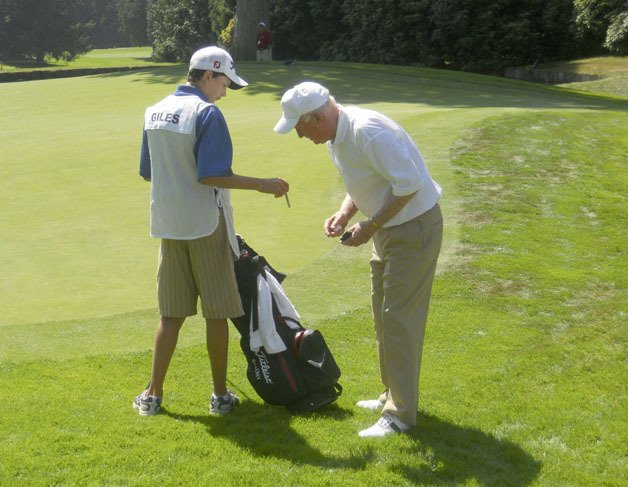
pixel 145 158
pixel 213 148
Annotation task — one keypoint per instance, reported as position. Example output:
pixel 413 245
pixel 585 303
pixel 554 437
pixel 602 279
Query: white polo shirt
pixel 376 156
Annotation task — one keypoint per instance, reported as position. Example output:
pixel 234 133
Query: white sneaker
pixel 387 425
pixel 147 405
pixel 223 404
pixel 371 404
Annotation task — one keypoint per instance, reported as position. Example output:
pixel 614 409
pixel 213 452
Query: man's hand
pixel 361 233
pixel 276 186
pixel 334 226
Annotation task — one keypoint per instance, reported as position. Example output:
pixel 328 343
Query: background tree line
pixel 31 30
pixel 474 35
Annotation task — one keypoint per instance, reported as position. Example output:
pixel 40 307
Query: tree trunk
pixel 249 13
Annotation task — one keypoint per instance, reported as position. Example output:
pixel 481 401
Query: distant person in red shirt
pixel 264 43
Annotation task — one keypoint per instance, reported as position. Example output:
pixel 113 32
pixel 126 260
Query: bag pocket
pixel 318 366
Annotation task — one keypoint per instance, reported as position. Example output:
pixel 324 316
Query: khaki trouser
pixel 402 271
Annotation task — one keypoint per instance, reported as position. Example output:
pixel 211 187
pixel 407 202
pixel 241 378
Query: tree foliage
pixel 617 34
pixel 603 22
pixel 221 13
pixel 304 29
pixel 178 27
pixel 226 35
pixel 384 32
pixel 54 31
pixel 31 30
pixel 132 21
pixel 474 35
pixel 102 16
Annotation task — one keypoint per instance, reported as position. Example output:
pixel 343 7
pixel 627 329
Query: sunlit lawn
pixel 96 58
pixel 522 380
pixel 612 70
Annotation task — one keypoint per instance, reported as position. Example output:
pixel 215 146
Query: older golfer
pixel 187 155
pixel 387 181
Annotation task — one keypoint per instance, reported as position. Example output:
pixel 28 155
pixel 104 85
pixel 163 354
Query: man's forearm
pixel 348 208
pixel 276 186
pixel 390 208
pixel 235 181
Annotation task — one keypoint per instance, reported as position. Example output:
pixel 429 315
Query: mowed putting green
pixel 75 212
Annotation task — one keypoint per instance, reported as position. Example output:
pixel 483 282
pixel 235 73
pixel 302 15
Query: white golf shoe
pixel 386 425
pixel 370 404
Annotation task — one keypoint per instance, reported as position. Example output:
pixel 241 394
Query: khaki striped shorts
pixel 201 267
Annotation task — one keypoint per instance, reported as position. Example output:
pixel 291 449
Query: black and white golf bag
pixel 287 364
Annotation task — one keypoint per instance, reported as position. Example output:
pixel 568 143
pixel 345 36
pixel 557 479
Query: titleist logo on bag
pixel 261 367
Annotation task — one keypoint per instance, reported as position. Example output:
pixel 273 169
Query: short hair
pixel 195 75
pixel 320 110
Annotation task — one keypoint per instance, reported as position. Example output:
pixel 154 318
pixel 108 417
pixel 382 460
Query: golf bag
pixel 287 364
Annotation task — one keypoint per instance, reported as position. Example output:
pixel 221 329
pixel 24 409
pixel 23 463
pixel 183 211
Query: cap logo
pixel 216 64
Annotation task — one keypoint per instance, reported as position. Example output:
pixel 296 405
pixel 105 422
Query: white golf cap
pixel 296 102
pixel 213 58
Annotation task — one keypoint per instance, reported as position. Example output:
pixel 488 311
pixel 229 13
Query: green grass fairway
pixel 75 216
pixel 523 371
pixel 97 58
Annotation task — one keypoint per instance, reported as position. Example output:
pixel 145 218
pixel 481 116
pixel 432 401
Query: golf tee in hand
pixel 276 186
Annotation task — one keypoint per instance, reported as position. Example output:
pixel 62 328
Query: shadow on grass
pixel 360 84
pixel 444 453
pixel 165 75
pixel 455 455
pixel 265 431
